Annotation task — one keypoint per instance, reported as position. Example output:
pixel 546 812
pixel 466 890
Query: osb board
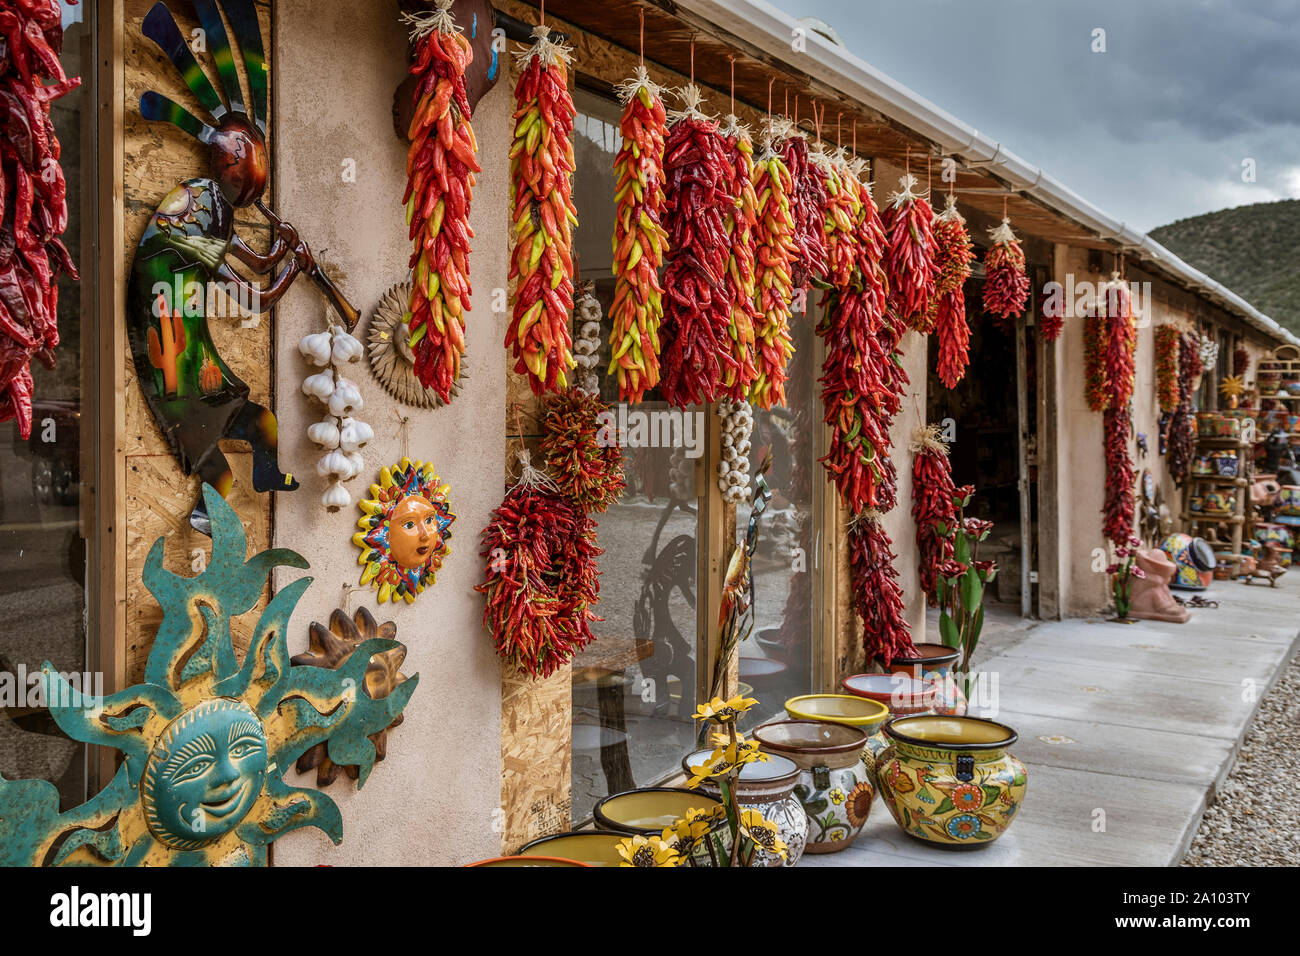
pixel 536 727
pixel 157 496
pixel 158 504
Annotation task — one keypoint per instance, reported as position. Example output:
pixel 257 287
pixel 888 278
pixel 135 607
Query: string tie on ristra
pixel 425 22
pixel 1002 232
pixel 867 516
pixel 530 477
pixel 549 52
pixel 907 193
pixel 928 438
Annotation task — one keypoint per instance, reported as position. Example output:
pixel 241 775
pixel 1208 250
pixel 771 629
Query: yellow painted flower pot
pixel 949 780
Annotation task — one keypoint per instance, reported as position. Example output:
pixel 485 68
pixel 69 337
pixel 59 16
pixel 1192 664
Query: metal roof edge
pixel 773 31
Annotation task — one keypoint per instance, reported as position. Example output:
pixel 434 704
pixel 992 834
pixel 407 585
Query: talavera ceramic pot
pixel 949 780
pixel 591 847
pixel 649 810
pixel 834 785
pixel 767 787
pixel 935 662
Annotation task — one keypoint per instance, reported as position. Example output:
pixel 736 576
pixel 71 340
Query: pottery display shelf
pixel 1238 520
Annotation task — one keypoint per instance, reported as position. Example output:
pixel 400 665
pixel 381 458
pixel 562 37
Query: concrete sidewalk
pixel 1141 721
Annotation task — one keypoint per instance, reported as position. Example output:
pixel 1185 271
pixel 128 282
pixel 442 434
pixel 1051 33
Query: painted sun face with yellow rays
pixel 206 739
pixel 405 526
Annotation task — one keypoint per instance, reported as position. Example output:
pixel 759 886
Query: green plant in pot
pixel 1122 572
pixel 961 582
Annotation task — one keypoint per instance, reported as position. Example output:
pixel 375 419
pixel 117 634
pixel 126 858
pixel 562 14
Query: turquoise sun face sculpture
pixel 206 739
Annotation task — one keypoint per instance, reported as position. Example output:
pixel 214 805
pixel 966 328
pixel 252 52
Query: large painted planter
pixel 903 694
pixel 950 780
pixel 591 847
pixel 935 662
pixel 1194 559
pixel 834 787
pixel 767 787
pixel 1288 500
pixel 1265 532
pixel 649 810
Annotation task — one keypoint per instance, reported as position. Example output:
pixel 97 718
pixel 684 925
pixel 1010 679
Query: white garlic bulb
pixel 344 399
pixel 345 349
pixel 354 434
pixel 316 348
pixel 324 433
pixel 336 497
pixel 319 386
pixel 335 464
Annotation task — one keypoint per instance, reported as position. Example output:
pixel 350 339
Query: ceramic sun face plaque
pixel 405 526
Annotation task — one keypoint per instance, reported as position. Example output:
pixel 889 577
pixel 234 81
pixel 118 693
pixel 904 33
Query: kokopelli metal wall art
pixel 194 396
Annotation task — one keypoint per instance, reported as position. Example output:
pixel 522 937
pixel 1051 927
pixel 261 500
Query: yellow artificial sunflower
pixel 724 760
pixel 648 851
pixel 689 830
pixel 762 831
pixel 721 711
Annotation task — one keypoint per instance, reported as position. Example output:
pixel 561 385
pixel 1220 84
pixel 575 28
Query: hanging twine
pixel 865 516
pixel 906 194
pixel 1002 232
pixel 638 81
pixel 692 99
pixel 928 438
pixel 431 21
pixel 550 52
pixel 530 477
pixel 950 210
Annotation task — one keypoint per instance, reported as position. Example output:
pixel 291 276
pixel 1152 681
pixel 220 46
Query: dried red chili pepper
pixel 696 358
pixel 541 167
pixel 638 239
pixel 773 284
pixel 954 253
pixel 932 506
pixel 1094 359
pixel 740 223
pixel 1182 427
pixel 1120 348
pixel 33 205
pixel 1240 362
pixel 808 204
pixel 582 455
pixel 909 260
pixel 877 597
pixel 540 578
pixel 1167 343
pixel 440 168
pixel 1006 286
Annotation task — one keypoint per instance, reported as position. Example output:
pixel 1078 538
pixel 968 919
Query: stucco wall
pixel 432 801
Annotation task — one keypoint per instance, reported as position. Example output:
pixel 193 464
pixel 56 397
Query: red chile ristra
pixel 639 239
pixel 540 577
pixel 696 359
pixel 1121 345
pixel 953 256
pixel 33 206
pixel 877 598
pixel 808 203
pixel 932 506
pixel 740 222
pixel 541 171
pixel 909 259
pixel 440 168
pixel 774 252
pixel 1006 286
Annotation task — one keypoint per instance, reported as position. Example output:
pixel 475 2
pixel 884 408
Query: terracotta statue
pixel 1151 597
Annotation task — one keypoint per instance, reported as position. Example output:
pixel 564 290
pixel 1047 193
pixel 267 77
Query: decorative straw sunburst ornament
pixel 389 352
pixel 405 526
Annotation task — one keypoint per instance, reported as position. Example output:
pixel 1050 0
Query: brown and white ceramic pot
pixel 767 787
pixel 834 787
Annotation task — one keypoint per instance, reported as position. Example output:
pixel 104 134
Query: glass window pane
pixel 42 548
pixel 634 687
pixel 778 659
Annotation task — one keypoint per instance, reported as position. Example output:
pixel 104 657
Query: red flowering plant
pixel 962 579
pixel 1122 572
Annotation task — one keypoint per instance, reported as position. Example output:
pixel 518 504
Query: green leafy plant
pixel 962 579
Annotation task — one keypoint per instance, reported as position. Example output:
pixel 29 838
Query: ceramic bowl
pixel 647 811
pixel 846 709
pixel 527 861
pixel 589 847
pixel 901 693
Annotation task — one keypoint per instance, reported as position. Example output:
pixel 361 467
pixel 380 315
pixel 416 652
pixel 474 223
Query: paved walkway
pixel 1141 721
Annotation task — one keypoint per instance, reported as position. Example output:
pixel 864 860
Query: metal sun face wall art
pixel 405 526
pixel 194 396
pixel 205 739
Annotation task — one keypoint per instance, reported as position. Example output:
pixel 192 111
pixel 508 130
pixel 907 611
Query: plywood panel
pixel 536 729
pixel 157 496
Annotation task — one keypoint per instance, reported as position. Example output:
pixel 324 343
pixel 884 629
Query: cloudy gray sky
pixel 1154 129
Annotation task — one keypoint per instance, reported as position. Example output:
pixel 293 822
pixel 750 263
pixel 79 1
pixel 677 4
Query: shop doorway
pixel 991 423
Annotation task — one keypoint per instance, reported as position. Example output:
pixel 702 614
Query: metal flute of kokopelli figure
pixel 194 396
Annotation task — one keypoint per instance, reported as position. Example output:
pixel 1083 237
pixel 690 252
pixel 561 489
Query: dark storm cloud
pixel 1153 129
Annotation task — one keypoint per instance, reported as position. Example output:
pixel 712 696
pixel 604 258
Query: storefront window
pixel 44 523
pixel 634 688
